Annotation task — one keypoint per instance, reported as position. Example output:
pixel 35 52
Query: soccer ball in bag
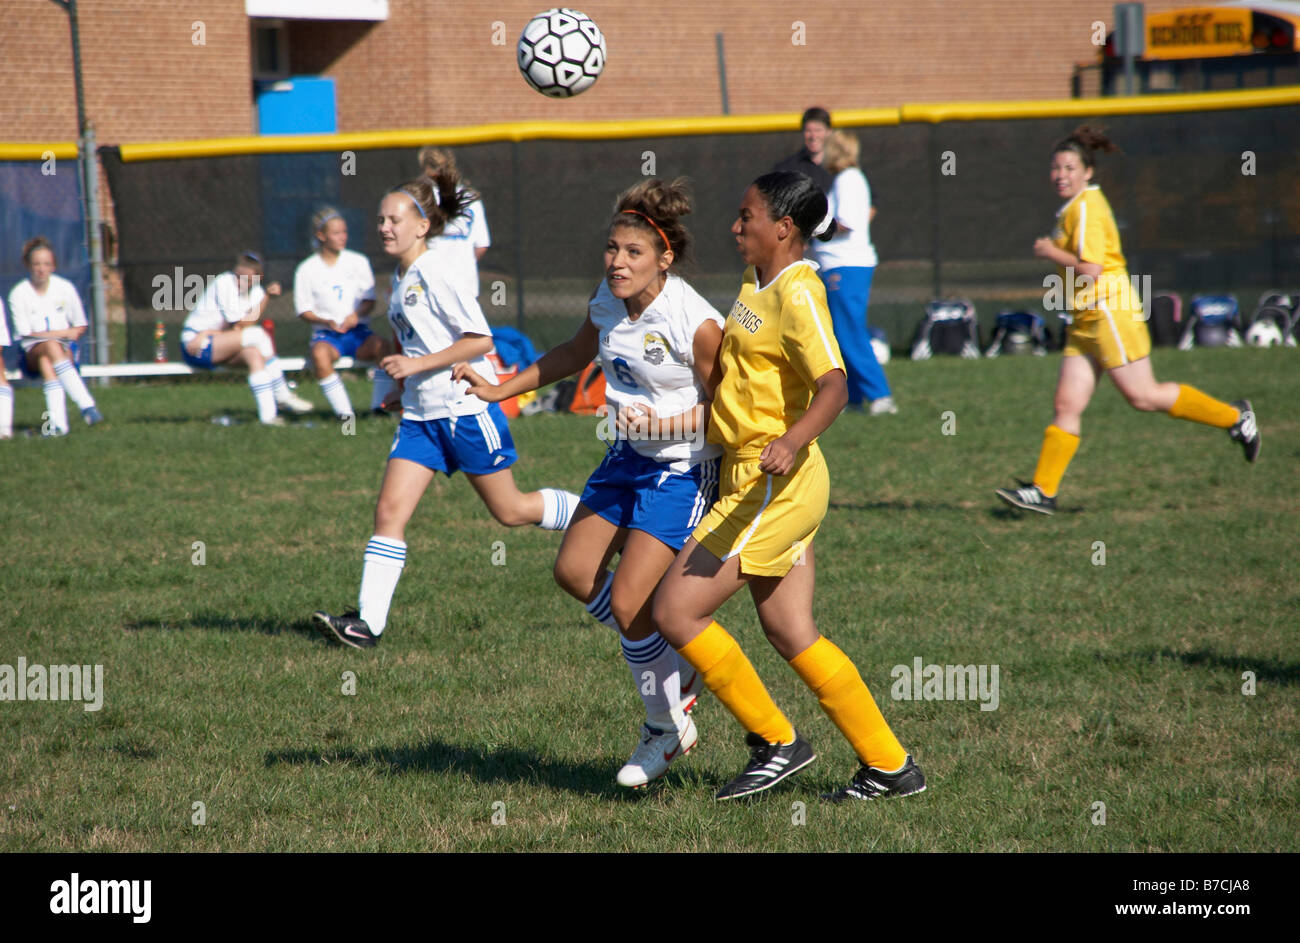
pixel 1264 334
pixel 561 52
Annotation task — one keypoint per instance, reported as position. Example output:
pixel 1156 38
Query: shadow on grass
pixel 1004 513
pixel 495 766
pixel 1265 669
pixel 225 622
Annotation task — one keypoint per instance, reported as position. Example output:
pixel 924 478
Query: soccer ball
pixel 1264 334
pixel 561 52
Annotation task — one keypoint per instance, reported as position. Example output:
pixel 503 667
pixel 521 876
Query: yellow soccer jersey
pixel 1086 228
pixel 777 342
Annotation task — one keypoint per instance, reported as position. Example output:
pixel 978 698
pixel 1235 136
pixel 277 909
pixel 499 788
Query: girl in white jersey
pixel 334 291
pixel 443 429
pixel 225 327
pixel 464 239
pixel 658 345
pixel 48 320
pixel 6 391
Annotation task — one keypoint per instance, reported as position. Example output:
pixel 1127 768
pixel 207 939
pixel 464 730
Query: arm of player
pixel 830 399
pixel 556 364
pixel 469 347
pixel 1044 248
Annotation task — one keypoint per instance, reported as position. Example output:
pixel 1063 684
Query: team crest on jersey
pixel 746 318
pixel 654 347
pixel 412 296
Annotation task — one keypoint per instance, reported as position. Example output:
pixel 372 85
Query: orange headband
pixel 667 245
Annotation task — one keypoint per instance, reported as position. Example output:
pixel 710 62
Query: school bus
pixel 1206 48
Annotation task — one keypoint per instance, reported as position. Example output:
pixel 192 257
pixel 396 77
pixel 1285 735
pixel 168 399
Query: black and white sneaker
pixel 1246 430
pixel 870 783
pixel 1028 499
pixel 348 629
pixel 769 764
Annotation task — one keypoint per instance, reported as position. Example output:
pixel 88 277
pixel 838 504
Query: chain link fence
pixel 1205 201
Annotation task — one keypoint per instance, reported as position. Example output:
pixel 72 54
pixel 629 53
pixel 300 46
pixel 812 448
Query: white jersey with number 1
pixel 651 361
pixel 56 310
pixel 429 312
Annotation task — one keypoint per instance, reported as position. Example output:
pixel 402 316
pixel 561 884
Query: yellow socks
pixel 1194 405
pixel 845 699
pixel 733 680
pixel 1059 447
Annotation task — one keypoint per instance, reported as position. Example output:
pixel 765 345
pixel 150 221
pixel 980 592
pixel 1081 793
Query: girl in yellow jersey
pixel 1109 331
pixel 783 383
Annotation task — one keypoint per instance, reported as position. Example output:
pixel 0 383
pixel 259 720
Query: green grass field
pixel 494 696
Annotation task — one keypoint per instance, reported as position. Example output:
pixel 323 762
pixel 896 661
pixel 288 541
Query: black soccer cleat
pixel 769 763
pixel 1246 430
pixel 1028 499
pixel 870 783
pixel 348 629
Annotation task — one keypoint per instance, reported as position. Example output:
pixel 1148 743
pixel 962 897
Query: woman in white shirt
pixel 847 263
pixel 48 320
pixel 225 327
pixel 334 291
pixel 443 429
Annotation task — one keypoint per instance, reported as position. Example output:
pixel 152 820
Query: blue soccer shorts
pixel 664 499
pixel 477 445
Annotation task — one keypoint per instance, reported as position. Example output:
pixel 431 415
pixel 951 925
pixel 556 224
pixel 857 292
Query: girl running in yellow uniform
pixel 1109 331
pixel 783 383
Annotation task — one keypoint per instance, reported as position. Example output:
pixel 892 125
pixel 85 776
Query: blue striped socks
pixel 73 384
pixel 6 411
pixel 557 508
pixel 600 608
pixel 653 663
pixel 336 395
pixel 263 384
pixel 56 408
pixel 384 559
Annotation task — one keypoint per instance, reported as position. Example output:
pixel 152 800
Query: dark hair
pixel 442 196
pixel 795 195
pixel 657 203
pixel 815 114
pixel 249 259
pixel 37 242
pixel 1085 139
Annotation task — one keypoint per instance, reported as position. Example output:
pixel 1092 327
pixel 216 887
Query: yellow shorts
pixel 1112 340
pixel 768 521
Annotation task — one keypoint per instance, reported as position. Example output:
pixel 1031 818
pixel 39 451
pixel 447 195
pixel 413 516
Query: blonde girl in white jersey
pixel 657 340
pixel 443 429
pixel 334 291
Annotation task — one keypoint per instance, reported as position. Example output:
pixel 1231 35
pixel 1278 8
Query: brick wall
pixel 436 64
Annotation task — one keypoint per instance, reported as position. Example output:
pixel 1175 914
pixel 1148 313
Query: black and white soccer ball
pixel 561 52
pixel 1264 333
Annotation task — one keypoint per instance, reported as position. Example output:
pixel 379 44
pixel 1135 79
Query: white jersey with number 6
pixel 429 312
pixel 650 361
pixel 333 291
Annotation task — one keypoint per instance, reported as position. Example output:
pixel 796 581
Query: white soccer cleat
pixel 295 404
pixel 657 749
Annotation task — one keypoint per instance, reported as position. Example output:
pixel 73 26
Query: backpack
pixel 588 391
pixel 1018 332
pixel 949 327
pixel 1213 322
pixel 1166 319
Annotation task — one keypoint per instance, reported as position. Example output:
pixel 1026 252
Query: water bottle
pixel 159 342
